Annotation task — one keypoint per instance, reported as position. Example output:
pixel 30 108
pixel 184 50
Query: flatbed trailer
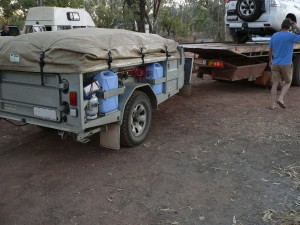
pixel 231 61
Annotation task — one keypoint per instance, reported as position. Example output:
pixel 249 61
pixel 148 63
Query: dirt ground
pixel 216 157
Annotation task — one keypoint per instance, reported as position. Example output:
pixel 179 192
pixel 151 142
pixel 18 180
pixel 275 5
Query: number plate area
pixel 232 5
pixel 44 113
pixel 232 18
pixel 22 95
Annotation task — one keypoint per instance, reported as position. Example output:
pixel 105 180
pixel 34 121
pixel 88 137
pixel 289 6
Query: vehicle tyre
pixel 136 120
pixel 296 72
pixel 249 10
pixel 239 37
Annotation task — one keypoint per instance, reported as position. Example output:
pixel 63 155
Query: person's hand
pixel 295 27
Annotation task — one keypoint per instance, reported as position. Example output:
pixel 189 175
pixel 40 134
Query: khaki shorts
pixel 282 73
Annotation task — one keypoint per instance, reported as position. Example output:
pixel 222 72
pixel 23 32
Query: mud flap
pixel 186 90
pixel 110 137
pixel 188 72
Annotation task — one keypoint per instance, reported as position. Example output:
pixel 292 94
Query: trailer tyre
pixel 136 120
pixel 296 72
pixel 249 10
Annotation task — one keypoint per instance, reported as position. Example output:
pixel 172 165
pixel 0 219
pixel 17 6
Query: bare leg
pixel 274 93
pixel 284 90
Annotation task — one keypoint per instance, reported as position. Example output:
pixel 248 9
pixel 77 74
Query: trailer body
pixel 35 92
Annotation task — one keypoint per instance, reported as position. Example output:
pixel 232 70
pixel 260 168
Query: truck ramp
pixel 251 49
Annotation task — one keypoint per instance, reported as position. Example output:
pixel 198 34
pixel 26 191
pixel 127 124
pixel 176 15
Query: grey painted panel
pixel 31 94
pixel 29 78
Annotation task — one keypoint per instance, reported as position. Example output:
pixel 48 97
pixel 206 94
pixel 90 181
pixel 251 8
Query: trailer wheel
pixel 136 120
pixel 249 10
pixel 296 72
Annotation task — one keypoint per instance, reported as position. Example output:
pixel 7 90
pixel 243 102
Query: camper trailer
pixel 41 19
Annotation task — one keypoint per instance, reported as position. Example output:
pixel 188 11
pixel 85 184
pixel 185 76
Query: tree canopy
pixel 172 18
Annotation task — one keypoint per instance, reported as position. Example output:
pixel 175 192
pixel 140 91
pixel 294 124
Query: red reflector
pixel 73 98
pixel 267 25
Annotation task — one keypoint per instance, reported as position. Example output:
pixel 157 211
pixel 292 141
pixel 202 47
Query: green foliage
pixel 166 17
pixel 174 21
pixel 8 9
pixel 64 3
pixel 200 15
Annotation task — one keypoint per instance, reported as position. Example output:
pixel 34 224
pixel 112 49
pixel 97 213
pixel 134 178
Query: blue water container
pixel 154 71
pixel 108 80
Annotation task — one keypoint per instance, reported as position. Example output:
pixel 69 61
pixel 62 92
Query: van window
pixel 38 29
pixel 13 30
pixel 73 16
pixel 63 27
pixel 35 28
pixel 48 28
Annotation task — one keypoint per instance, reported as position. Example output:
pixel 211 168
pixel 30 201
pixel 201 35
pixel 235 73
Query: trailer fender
pixel 146 88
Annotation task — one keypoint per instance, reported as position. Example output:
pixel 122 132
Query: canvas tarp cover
pixel 83 50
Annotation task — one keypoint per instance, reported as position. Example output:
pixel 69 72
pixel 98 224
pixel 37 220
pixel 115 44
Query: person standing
pixel 5 30
pixel 280 60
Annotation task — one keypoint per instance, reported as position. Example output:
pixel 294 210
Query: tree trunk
pixel 156 5
pixel 149 23
pixel 142 13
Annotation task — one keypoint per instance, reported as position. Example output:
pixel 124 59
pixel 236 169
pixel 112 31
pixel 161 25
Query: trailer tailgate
pixel 26 96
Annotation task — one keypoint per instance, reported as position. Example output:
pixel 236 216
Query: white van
pixel 41 19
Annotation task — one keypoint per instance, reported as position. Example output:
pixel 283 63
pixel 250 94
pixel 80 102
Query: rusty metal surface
pixel 265 79
pixel 239 69
pixel 210 50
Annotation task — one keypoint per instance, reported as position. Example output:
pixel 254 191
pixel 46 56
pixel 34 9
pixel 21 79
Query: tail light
pixel 227 1
pixel 73 98
pixel 215 63
pixel 209 63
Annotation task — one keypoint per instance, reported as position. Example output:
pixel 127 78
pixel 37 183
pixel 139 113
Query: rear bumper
pixel 248 28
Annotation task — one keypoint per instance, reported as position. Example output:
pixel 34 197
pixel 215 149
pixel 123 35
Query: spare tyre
pixel 249 10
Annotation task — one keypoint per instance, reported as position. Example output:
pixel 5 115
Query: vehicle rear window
pixel 13 30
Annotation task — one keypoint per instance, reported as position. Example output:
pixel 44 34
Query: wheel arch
pixel 123 99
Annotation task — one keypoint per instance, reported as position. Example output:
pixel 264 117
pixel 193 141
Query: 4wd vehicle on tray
pixel 260 17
